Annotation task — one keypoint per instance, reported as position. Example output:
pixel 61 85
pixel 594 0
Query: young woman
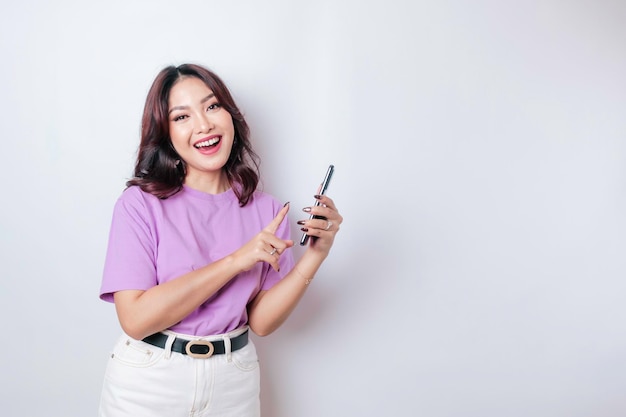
pixel 197 256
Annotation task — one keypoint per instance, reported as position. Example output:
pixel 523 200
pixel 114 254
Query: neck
pixel 210 184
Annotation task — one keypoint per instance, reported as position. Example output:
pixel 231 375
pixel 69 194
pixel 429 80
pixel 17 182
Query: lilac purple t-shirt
pixel 153 241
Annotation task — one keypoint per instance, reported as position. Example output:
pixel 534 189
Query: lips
pixel 207 143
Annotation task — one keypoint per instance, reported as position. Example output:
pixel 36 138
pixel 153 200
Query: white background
pixel 480 149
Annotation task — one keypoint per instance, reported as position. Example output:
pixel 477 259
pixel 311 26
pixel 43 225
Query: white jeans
pixel 142 380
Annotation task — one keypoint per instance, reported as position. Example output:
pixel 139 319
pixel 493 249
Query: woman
pixel 197 256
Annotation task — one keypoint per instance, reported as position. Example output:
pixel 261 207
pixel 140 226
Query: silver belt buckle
pixel 192 343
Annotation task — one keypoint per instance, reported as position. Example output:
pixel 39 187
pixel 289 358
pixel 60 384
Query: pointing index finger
pixel 272 227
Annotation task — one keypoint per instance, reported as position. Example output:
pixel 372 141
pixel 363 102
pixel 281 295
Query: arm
pixel 142 313
pixel 269 309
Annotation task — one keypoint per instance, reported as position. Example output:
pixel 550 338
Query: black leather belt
pixel 198 348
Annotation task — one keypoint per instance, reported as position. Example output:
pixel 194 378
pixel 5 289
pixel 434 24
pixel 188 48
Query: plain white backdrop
pixel 480 149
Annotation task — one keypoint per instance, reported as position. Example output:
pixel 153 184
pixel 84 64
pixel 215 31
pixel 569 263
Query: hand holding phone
pixel 323 188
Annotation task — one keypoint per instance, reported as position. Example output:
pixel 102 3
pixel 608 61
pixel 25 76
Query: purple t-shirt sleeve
pixel 129 263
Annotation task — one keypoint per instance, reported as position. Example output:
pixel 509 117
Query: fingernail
pixel 286 204
pixel 317 196
pixel 306 209
pixel 304 229
pixel 300 222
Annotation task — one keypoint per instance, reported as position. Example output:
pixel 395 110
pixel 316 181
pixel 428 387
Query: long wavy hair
pixel 159 169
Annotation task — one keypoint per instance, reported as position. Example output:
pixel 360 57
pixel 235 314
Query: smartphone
pixel 329 174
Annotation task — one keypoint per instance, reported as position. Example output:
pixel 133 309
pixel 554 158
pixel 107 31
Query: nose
pixel 204 123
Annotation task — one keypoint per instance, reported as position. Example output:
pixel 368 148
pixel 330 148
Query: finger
pixel 274 263
pixel 321 212
pixel 276 246
pixel 280 245
pixel 324 224
pixel 316 233
pixel 273 255
pixel 266 252
pixel 326 201
pixel 272 227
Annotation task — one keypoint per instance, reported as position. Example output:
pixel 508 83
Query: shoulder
pixel 134 193
pixel 136 202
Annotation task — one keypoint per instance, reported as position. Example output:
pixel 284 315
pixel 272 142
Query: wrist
pixel 307 279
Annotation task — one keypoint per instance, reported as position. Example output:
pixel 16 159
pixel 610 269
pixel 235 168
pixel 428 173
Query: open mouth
pixel 207 143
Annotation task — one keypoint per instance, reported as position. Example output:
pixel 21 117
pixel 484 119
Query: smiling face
pixel 201 131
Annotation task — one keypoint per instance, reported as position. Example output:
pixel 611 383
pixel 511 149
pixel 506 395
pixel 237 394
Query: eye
pixel 214 106
pixel 180 117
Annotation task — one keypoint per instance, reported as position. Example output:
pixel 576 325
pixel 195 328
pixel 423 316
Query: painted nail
pixel 286 204
pixel 306 209
pixel 300 222
pixel 304 229
pixel 317 196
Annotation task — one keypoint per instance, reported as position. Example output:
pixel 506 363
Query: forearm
pixel 142 313
pixel 268 312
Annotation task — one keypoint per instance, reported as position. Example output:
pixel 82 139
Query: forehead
pixel 188 91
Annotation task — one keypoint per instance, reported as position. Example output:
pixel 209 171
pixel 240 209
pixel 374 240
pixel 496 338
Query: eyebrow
pixel 204 100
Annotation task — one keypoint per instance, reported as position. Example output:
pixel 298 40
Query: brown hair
pixel 159 169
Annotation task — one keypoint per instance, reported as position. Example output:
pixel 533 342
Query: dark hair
pixel 159 170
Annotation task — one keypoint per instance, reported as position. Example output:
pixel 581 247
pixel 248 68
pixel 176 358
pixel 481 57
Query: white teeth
pixel 207 143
